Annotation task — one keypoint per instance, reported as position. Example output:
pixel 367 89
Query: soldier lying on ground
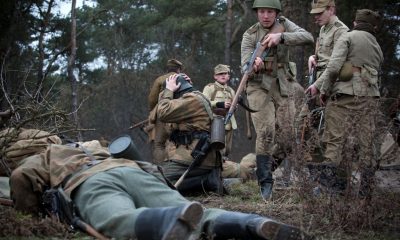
pixel 120 199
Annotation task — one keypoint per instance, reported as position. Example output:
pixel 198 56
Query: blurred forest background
pixel 87 74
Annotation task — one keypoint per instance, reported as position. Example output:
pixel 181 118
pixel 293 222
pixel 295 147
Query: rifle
pixel 59 205
pixel 258 52
pixel 198 153
pixel 139 124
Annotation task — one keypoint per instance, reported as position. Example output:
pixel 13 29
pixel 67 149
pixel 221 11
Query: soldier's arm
pixel 247 47
pixel 154 93
pixel 295 35
pixel 339 55
pixel 207 92
pixel 171 110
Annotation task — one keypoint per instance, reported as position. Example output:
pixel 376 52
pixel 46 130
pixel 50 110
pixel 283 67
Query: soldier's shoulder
pixel 340 24
pixel 281 19
pixel 253 29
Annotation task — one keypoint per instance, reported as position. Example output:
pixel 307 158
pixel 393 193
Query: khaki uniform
pixel 158 134
pixel 53 166
pixel 22 143
pixel 271 90
pixel 216 92
pixel 328 36
pixel 353 103
pixel 189 113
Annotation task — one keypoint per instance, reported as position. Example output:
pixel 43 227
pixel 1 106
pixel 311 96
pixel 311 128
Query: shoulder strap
pixel 205 102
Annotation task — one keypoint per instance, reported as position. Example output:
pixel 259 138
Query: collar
pixel 329 25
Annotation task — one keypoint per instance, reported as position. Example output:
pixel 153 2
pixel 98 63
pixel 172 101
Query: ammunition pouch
pixel 201 149
pixel 57 203
pixel 186 137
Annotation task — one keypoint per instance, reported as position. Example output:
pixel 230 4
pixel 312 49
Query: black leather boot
pixel 236 225
pixel 331 177
pixel 264 175
pixel 209 182
pixel 168 223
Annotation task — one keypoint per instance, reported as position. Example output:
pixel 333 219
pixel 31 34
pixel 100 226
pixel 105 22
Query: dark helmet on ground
pixel 275 4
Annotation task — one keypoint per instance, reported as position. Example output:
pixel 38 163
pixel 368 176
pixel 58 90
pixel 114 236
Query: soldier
pixel 121 200
pixel 269 90
pixel 220 96
pixel 350 88
pixel 158 134
pixel 188 114
pixel 324 13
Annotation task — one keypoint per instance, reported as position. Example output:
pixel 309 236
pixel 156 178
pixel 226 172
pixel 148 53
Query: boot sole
pixel 186 221
pixel 273 230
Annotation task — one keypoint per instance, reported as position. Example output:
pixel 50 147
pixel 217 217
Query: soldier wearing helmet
pixel 271 87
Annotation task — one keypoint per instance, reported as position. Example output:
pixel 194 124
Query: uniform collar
pixel 332 21
pixel 220 85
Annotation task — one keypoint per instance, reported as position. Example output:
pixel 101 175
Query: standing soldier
pixel 269 90
pixel 220 96
pixel 188 114
pixel 158 134
pixel 351 82
pixel 324 13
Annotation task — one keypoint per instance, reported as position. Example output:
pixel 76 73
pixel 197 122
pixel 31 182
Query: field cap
pixel 221 68
pixel 318 6
pixel 174 63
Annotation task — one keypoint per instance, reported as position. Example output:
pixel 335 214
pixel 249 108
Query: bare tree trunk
pixel 71 66
pixel 43 29
pixel 228 32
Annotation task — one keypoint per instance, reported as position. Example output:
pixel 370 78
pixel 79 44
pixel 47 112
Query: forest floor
pixel 324 216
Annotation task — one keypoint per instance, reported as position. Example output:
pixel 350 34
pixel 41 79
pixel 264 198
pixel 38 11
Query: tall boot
pixel 209 182
pixel 168 223
pixel 333 178
pixel 236 225
pixel 367 183
pixel 264 175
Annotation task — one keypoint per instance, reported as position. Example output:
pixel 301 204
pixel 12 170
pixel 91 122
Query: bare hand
pixel 227 104
pixel 171 83
pixel 272 39
pixel 312 62
pixel 312 90
pixel 258 64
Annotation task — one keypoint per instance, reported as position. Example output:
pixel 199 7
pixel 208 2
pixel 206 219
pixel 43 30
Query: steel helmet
pixel 276 4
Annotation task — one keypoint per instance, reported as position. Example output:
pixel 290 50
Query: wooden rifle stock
pixel 258 52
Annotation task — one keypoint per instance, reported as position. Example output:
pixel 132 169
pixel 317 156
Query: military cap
pixel 368 16
pixel 174 63
pixel 318 6
pixel 221 68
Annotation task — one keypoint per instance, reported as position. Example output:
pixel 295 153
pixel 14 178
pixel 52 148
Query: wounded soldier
pixel 122 198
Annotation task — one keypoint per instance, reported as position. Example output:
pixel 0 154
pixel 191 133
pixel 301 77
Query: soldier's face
pixel 324 17
pixel 222 78
pixel 266 16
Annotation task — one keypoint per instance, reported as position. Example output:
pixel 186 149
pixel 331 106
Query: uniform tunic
pixel 109 196
pixel 352 107
pixel 191 112
pixel 158 133
pixel 271 90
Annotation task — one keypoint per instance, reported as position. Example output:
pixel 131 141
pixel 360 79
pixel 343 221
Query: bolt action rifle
pixel 260 51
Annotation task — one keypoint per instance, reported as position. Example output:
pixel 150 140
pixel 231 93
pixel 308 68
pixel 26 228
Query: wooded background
pixel 92 69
